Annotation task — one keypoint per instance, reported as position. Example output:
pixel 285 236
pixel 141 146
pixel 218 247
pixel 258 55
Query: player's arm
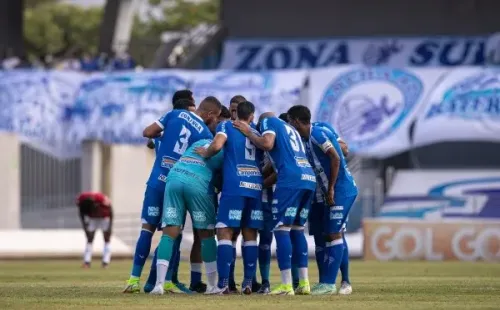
pixel 270 180
pixel 267 170
pixel 216 145
pixel 151 144
pixel 343 146
pixel 264 142
pixel 324 143
pixel 155 129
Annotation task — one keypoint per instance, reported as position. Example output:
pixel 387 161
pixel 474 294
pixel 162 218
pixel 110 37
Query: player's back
pixel 288 156
pixel 328 127
pixel 181 129
pixel 195 170
pixel 241 173
pixel 345 184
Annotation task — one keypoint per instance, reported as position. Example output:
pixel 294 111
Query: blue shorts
pixel 152 206
pixel 328 220
pixel 291 206
pixel 239 211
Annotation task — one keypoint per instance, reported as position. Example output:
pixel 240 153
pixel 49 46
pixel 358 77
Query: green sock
pixel 209 256
pixel 165 249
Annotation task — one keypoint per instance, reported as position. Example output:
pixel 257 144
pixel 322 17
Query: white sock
pixel 303 274
pixel 286 276
pixel 161 271
pixel 211 271
pixel 196 267
pixel 106 253
pixel 87 255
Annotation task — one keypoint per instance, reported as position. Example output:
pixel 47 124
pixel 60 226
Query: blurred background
pixel 412 86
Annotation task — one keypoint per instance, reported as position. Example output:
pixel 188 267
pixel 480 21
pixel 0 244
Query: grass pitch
pixel 396 285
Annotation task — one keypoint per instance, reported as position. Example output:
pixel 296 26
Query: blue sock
pixel 233 263
pixel 344 265
pixel 300 255
pixel 283 249
pixel 152 272
pixel 173 266
pixel 320 244
pixel 142 249
pixel 266 239
pixel 335 251
pixel 195 273
pixel 224 259
pixel 250 256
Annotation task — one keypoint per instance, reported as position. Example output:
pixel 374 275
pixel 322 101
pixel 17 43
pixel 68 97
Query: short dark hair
pixel 237 99
pixel 284 117
pixel 210 103
pixel 300 113
pixel 182 94
pixel 245 109
pixel 224 112
pixel 183 104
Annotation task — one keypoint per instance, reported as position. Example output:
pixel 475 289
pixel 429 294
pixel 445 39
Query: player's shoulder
pixel 269 123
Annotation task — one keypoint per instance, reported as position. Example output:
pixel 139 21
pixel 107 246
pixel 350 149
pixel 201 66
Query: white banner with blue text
pixel 395 52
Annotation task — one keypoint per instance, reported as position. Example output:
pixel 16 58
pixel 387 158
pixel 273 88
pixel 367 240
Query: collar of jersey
pixel 197 116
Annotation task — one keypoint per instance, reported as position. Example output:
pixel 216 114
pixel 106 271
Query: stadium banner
pixel 34 104
pixel 269 91
pixel 463 106
pixel 463 240
pixel 443 194
pixel 372 108
pixel 396 52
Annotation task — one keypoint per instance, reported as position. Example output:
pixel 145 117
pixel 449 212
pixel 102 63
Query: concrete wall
pixel 10 192
pixel 321 18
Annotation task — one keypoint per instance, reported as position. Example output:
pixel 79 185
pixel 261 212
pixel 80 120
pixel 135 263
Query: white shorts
pixel 93 224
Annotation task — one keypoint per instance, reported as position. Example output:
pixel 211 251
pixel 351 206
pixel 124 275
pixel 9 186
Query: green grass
pixel 396 285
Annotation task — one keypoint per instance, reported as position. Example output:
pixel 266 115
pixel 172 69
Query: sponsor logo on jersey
pixel 199 216
pixel 302 162
pixel 257 215
pixel 192 161
pixel 337 208
pixel 308 177
pixel 304 213
pixel 247 171
pixel 167 162
pixel 234 215
pixel 291 212
pixel 254 186
pixel 368 105
pixel 193 122
pixel 153 211
pixel 336 216
pixel 170 213
pixel 162 178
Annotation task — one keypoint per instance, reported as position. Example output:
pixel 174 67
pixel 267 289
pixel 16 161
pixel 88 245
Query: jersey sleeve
pixel 162 122
pixel 321 139
pixel 222 129
pixel 268 126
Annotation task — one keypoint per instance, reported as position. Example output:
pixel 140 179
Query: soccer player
pixel 95 213
pixel 184 128
pixel 337 192
pixel 196 284
pixel 240 203
pixel 292 197
pixel 189 188
pixel 233 105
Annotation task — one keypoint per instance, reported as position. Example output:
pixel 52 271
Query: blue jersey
pixel 320 141
pixel 180 130
pixel 241 173
pixel 327 126
pixel 288 156
pixel 193 169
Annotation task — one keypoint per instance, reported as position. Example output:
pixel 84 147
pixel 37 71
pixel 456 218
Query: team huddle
pixel 237 177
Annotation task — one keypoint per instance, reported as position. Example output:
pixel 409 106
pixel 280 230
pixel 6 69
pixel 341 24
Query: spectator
pixel 88 63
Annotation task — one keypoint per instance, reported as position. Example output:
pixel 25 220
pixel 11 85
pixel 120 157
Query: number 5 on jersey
pixel 249 150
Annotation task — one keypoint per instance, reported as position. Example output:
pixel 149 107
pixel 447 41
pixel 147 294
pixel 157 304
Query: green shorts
pixel 181 197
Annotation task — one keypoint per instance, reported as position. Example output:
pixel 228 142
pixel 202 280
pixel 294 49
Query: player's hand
pixel 201 151
pixel 243 127
pixel 151 144
pixel 329 197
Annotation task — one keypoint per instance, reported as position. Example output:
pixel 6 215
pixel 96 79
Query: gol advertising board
pixel 431 240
